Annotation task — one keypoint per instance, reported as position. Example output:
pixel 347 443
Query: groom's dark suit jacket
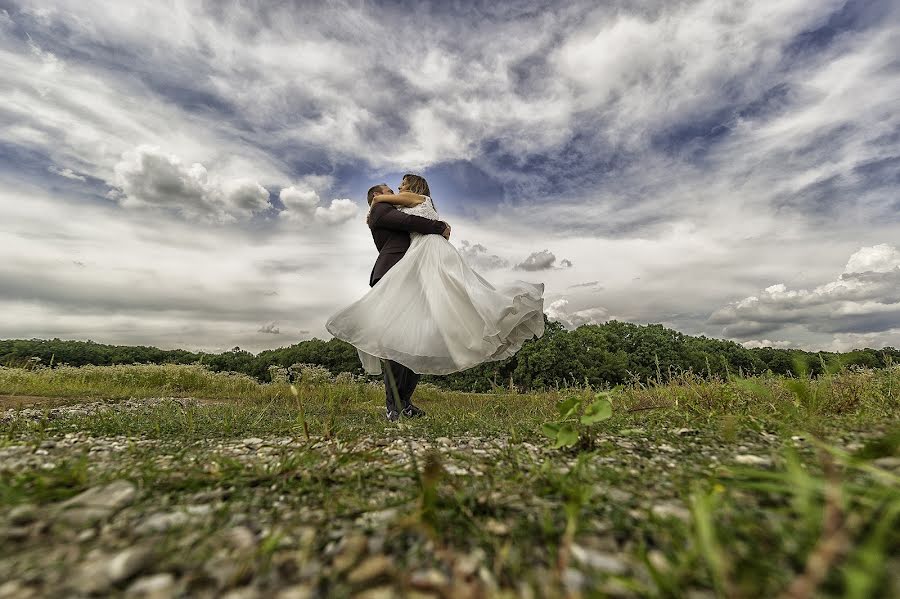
pixel 390 230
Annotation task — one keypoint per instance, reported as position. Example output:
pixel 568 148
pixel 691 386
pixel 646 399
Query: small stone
pixel 227 572
pixel 300 591
pixel 242 593
pixel 686 432
pixel 659 560
pixel 596 560
pixel 158 586
pixel 128 563
pixel 671 510
pixel 252 442
pixel 23 514
pixel 14 589
pixel 495 527
pixel 349 552
pixel 91 577
pixel 574 581
pixel 618 495
pixel 113 496
pixel 888 462
pixel 370 570
pixel 97 503
pixel 240 538
pixel 15 533
pixel 162 522
pixel 382 592
pixel 467 565
pixel 752 460
pixel 432 579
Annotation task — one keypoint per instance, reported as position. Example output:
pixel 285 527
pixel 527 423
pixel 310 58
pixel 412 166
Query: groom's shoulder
pixel 380 209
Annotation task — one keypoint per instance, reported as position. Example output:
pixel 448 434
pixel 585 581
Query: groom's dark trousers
pixel 390 231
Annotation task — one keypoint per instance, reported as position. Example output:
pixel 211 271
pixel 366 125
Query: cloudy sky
pixel 192 174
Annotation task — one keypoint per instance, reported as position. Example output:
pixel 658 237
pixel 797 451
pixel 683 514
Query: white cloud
pixel 67 173
pixel 684 155
pixel 878 258
pixel 338 212
pixel 865 298
pixel 149 178
pixel 559 310
pixel 477 256
pixel 298 203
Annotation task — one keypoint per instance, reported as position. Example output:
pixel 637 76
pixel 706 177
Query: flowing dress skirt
pixel 435 315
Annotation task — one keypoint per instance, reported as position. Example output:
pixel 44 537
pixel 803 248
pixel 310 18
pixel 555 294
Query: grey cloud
pixel 479 258
pixel 67 173
pixel 542 260
pixel 855 302
pixel 269 328
pixel 147 177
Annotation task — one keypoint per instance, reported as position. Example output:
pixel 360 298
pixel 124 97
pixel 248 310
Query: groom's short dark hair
pixel 374 191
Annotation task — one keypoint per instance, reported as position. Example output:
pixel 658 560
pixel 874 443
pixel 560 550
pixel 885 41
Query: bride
pixel 433 313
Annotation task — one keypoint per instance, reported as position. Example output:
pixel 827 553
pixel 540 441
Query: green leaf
pixel 551 429
pixel 568 407
pixel 566 437
pixel 599 410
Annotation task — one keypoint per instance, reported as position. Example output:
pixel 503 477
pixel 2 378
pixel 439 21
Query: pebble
pixel 597 560
pixel 370 570
pixel 157 586
pixel 349 552
pixel 23 514
pixel 888 462
pixel 300 591
pixel 671 510
pixel 161 522
pixel 432 579
pixel 752 460
pixel 128 563
pixel 97 503
pixel 382 592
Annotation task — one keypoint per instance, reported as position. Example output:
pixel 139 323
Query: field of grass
pixel 167 481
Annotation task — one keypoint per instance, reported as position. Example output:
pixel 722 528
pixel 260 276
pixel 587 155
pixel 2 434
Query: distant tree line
pixel 606 354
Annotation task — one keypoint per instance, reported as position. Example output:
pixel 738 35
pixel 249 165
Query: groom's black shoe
pixel 392 415
pixel 412 411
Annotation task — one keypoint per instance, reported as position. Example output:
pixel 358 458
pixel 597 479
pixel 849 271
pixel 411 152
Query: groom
pixel 390 230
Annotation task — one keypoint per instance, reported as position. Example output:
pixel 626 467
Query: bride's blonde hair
pixel 417 184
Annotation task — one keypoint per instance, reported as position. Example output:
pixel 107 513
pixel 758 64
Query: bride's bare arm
pixel 404 198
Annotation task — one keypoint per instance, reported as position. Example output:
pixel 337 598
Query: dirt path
pixel 37 401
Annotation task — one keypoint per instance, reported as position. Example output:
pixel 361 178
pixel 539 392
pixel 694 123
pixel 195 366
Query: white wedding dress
pixel 435 315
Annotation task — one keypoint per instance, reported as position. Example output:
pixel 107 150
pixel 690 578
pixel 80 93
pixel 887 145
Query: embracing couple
pixel 428 311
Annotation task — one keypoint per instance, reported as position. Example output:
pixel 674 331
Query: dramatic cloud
pixel 269 328
pixel 683 155
pixel 865 298
pixel 538 261
pixel 339 211
pixel 559 311
pixel 148 177
pixel 302 205
pixel 67 173
pixel 542 260
pixel 477 256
